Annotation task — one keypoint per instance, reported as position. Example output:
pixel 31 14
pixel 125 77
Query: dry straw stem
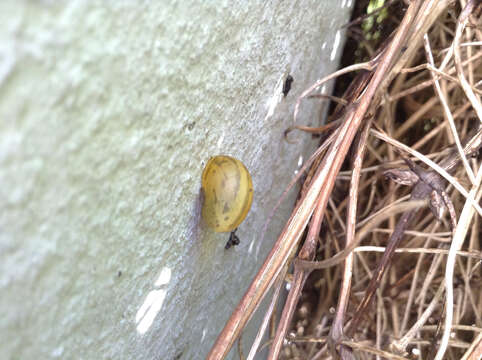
pixel 475 192
pixel 334 257
pixel 448 114
pixel 475 350
pixel 431 164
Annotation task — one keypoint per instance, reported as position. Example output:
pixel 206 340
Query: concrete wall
pixel 108 112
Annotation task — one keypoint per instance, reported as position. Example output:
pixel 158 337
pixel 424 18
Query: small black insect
pixel 233 240
pixel 287 85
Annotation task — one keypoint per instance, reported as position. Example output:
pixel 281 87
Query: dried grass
pixel 377 276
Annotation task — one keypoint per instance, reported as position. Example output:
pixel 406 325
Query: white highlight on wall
pixel 57 352
pixel 153 302
pixel 276 98
pixel 300 163
pixel 251 246
pixel 336 44
pixel 164 277
pixel 7 64
pixel 220 141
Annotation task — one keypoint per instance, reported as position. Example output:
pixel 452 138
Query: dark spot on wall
pixel 287 85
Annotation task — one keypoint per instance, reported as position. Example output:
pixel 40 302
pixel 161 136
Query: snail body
pixel 228 193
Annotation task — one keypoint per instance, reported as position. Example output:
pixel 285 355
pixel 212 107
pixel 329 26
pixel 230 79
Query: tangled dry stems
pixel 429 107
pixel 379 273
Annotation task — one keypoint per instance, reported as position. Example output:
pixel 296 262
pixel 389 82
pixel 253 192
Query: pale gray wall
pixel 108 111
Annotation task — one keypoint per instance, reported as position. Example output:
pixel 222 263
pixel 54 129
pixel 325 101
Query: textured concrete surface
pixel 108 111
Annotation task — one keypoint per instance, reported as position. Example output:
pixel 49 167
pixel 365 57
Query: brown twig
pixel 336 332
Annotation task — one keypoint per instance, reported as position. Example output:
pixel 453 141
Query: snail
pixel 228 193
